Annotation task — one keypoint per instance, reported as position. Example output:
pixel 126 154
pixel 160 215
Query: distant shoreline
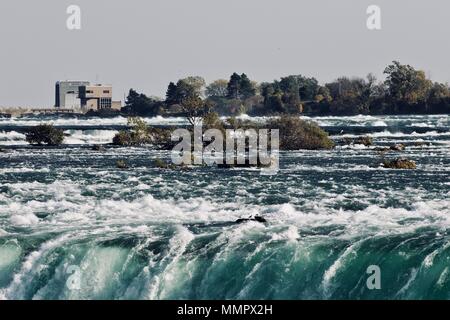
pixel 4 114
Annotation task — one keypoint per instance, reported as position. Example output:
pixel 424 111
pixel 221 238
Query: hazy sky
pixel 146 44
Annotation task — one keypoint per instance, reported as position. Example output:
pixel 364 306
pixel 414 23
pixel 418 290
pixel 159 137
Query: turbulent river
pixel 73 226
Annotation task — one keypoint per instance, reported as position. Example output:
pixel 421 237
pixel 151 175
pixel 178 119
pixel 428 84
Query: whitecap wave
pixel 79 137
pixel 12 138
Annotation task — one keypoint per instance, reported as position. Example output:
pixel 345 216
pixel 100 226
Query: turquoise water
pixel 147 233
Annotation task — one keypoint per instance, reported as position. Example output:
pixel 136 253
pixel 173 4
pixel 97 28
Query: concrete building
pixel 96 97
pixel 67 92
pixel 84 96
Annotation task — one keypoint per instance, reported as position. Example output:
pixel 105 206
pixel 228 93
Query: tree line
pixel 404 91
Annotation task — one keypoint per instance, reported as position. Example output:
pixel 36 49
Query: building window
pixel 105 103
pixel 105 91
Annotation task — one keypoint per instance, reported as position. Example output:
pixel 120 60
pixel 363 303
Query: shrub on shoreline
pixel 45 134
pixel 297 134
pixel 136 136
pixel 123 138
pixel 140 134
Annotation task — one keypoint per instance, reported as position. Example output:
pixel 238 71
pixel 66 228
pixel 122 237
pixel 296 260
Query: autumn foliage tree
pixel 405 84
pixel 405 90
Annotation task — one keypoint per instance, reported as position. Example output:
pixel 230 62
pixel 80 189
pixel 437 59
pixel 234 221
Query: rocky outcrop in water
pixel 161 164
pixel 121 164
pixel 398 147
pixel 256 218
pixel 365 141
pixel 400 163
pixel 98 147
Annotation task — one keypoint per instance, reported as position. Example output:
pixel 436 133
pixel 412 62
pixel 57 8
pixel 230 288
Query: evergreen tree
pixel 274 103
pixel 233 88
pixel 171 94
pixel 132 98
pixel 308 88
pixel 246 89
pixel 140 104
pixel 185 91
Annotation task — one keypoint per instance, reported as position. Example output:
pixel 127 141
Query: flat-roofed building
pixel 96 97
pixel 83 96
pixel 67 93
